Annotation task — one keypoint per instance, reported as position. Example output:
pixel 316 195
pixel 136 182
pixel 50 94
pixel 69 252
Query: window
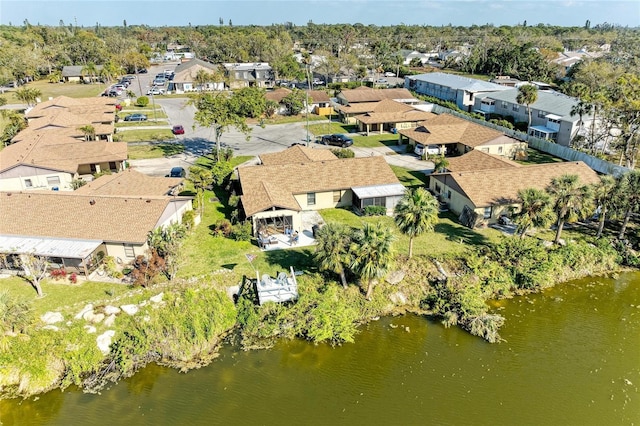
pixel 542 114
pixel 499 150
pixel 93 168
pixel 311 199
pixel 487 212
pixel 337 195
pixel 504 105
pixel 376 201
pixel 128 251
pixel 438 189
pixel 112 165
pixel 448 195
pixel 28 183
pixel 53 180
pixel 515 107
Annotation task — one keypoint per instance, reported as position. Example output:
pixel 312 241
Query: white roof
pixel 50 247
pixel 379 190
pixel 553 116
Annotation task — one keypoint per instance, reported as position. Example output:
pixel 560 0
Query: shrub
pixel 241 231
pixel 502 123
pixel 222 228
pixel 189 219
pixel 142 101
pixel 234 200
pixel 147 269
pixel 343 153
pixel 375 211
pixel 73 278
pixel 521 126
pixel 58 274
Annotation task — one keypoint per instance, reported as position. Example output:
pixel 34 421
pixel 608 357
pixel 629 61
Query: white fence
pixel 560 151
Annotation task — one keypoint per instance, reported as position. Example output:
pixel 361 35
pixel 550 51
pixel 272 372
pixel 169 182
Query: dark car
pixel 135 117
pixel 177 130
pixel 337 140
pixel 177 172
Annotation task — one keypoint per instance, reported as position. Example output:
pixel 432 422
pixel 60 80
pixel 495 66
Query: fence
pixel 560 151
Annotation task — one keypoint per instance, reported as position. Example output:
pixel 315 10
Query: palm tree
pixel 201 79
pixel 603 198
pixel 628 197
pixel 440 163
pixel 416 213
pixel 89 132
pixel 527 95
pixel 371 253
pixel 572 201
pixel 536 210
pixel 332 249
pixel 201 178
pixel 581 109
pixel 91 70
pixel 28 95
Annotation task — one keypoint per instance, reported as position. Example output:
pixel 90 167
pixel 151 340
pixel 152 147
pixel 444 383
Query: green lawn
pixel 331 128
pixel 375 140
pixel 538 157
pixel 144 152
pixel 59 295
pixel 72 90
pixel 449 237
pixel 145 135
pixel 410 178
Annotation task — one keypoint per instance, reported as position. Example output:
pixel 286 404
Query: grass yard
pixel 144 135
pixel 410 178
pixel 375 140
pixel 331 128
pixel 538 157
pixel 283 119
pixel 69 297
pixel 72 90
pixel 449 237
pixel 145 152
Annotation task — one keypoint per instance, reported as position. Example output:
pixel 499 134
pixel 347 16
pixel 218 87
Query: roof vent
pixel 148 201
pixel 92 201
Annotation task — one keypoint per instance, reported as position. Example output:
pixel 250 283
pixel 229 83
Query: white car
pixel 155 91
pixel 421 150
pixel 389 74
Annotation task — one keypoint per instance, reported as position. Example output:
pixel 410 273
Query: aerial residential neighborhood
pixel 383 197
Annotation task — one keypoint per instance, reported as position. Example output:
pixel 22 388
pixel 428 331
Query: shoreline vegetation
pixel 196 316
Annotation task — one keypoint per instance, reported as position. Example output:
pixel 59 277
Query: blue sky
pixel 267 12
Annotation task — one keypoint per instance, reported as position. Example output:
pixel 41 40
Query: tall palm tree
pixel 416 213
pixel 527 95
pixel 440 163
pixel 604 199
pixel 372 253
pixel 91 70
pixel 628 197
pixel 28 95
pixel 581 109
pixel 332 249
pixel 571 201
pixel 536 210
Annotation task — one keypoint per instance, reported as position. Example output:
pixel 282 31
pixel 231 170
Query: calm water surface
pixel 571 357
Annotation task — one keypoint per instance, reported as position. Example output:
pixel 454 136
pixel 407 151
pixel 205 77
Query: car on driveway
pixel 178 130
pixel 135 117
pixel 177 172
pixel 421 150
pixel 337 140
pixel 155 91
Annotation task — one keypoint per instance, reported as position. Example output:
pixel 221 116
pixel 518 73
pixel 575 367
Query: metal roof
pixel 50 247
pixel 458 83
pixel 379 190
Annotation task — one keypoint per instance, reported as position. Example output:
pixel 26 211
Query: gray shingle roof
pixel 457 82
pixel 551 102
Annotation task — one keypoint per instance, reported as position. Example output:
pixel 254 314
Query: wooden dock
pixel 280 289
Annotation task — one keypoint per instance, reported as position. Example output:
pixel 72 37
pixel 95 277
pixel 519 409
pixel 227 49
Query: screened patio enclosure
pixel 378 195
pixel 271 225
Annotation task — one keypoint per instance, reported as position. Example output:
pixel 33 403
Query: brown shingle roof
pixel 297 154
pixel 264 187
pixel 445 128
pixel 278 95
pixel 500 186
pixel 478 160
pixel 390 111
pixel 60 153
pixel 366 94
pixel 130 183
pixel 318 96
pixel 97 105
pixel 90 217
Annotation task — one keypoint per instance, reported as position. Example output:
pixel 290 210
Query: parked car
pixel 389 74
pixel 421 150
pixel 317 82
pixel 159 82
pixel 155 91
pixel 177 172
pixel 178 130
pixel 337 140
pixel 142 71
pixel 135 117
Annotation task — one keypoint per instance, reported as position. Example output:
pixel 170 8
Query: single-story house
pixel 459 136
pixel 353 102
pixel 462 91
pixel 258 74
pixel 184 77
pixel 75 230
pixel 478 160
pixel 482 196
pixel 388 115
pixel 550 114
pixel 319 102
pixel 49 161
pixel 76 74
pixel 276 193
pixel 409 56
pixel 132 183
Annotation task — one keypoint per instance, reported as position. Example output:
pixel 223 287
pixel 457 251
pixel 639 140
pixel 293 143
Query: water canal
pixel 571 357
